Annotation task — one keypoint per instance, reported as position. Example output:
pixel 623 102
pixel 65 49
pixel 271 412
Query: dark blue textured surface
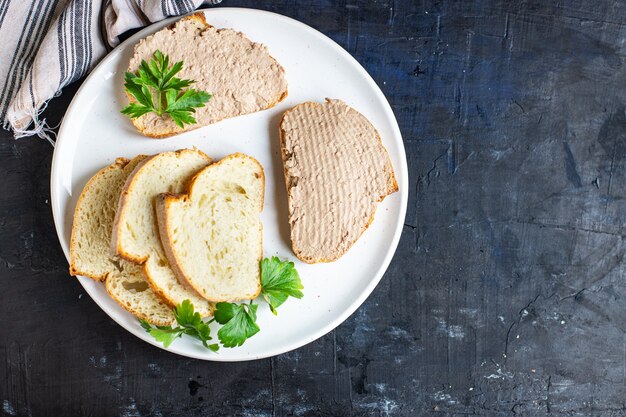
pixel 506 295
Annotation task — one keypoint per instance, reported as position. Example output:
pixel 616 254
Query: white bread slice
pixel 240 74
pixel 93 220
pixel 91 238
pixel 131 291
pixel 213 235
pixel 135 233
pixel 336 172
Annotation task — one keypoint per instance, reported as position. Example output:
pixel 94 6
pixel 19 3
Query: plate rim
pixel 402 170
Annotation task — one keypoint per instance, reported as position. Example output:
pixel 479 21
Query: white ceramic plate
pixel 94 133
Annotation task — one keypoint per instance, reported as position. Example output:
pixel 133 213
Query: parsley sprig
pixel 157 90
pixel 189 323
pixel 279 280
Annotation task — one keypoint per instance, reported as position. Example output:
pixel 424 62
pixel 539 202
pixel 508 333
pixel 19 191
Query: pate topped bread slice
pixel 91 239
pixel 213 235
pixel 135 232
pixel 336 172
pixel 241 75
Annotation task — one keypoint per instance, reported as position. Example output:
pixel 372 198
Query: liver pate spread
pixel 337 171
pixel 240 74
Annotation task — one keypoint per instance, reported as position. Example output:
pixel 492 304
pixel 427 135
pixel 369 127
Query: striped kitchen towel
pixel 48 44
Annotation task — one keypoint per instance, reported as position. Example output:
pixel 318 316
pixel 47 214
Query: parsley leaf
pixel 190 323
pixel 185 315
pixel 239 323
pixel 156 89
pixel 163 334
pixel 279 280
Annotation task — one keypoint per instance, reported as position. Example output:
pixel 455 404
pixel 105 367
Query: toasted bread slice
pixel 240 74
pixel 91 238
pixel 135 232
pixel 336 172
pixel 213 235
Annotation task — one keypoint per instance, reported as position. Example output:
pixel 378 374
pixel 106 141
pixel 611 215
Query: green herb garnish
pixel 157 90
pixel 239 323
pixel 279 280
pixel 190 323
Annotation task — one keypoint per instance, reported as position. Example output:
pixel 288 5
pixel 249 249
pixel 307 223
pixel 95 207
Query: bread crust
pixel 164 201
pixel 200 19
pixel 392 187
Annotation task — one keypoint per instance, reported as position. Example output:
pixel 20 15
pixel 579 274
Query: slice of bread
pixel 213 235
pixel 135 233
pixel 240 74
pixel 130 290
pixel 336 172
pixel 93 220
pixel 91 238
